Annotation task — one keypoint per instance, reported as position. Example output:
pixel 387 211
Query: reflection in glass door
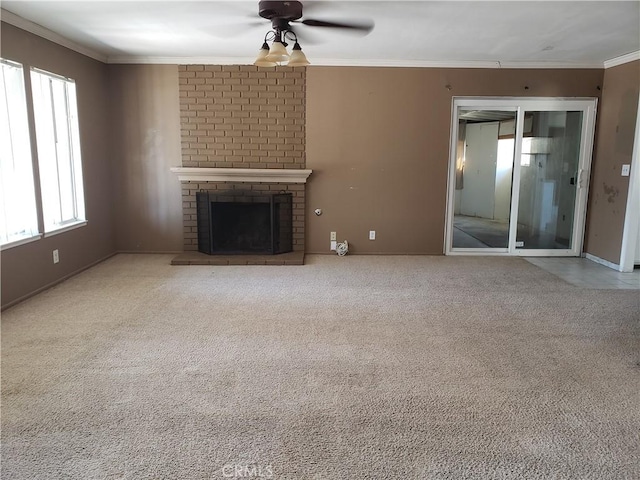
pixel 532 206
pixel 549 174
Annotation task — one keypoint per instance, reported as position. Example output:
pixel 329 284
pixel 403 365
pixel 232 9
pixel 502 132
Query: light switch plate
pixel 626 170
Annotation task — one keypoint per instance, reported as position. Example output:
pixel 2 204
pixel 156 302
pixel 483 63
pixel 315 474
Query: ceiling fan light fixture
pixel 282 14
pixel 298 58
pixel 277 52
pixel 261 60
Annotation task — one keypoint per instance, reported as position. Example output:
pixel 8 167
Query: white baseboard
pixel 602 261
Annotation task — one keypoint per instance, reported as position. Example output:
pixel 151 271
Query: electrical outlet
pixel 333 236
pixel 372 234
pixel 626 170
pixel 334 245
pixel 56 256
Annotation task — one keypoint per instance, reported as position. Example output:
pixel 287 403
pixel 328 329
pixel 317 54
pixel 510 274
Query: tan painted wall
pixel 378 145
pixel 29 267
pixel 614 145
pixel 145 127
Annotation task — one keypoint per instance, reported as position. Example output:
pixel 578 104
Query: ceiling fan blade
pixel 363 26
pixel 306 37
pixel 232 29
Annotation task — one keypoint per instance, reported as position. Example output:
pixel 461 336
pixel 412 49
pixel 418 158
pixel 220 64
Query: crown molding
pixel 330 62
pixel 132 59
pixel 551 65
pixel 453 64
pixel 27 25
pixel 629 57
pixel 326 62
pixel 318 62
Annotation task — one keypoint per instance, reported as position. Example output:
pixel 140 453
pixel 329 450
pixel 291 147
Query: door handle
pixel 581 178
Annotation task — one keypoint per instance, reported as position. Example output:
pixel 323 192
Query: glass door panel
pixel 519 175
pixel 549 178
pixel 483 179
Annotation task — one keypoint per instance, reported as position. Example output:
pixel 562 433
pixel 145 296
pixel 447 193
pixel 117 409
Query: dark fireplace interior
pixel 244 222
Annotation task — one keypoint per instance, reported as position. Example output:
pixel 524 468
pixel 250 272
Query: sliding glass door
pixel 518 176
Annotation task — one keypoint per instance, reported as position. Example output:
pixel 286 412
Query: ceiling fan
pixel 282 15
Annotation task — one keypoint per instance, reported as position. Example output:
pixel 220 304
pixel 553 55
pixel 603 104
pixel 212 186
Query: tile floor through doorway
pixel 585 273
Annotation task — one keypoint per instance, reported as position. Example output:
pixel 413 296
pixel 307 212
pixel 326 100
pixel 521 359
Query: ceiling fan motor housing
pixel 280 10
pixel 282 13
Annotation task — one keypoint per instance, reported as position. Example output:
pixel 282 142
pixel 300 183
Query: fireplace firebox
pixel 244 222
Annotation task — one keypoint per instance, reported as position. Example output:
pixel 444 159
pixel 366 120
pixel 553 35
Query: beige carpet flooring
pixel 362 367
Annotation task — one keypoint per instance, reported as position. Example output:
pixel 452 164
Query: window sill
pixel 65 228
pixel 22 241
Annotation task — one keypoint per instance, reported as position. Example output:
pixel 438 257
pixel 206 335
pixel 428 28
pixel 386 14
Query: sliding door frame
pixel 521 104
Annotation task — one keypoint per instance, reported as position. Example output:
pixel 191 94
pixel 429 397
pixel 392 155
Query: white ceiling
pixel 448 33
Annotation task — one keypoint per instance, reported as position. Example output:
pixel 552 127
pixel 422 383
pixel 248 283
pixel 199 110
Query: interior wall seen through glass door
pixel 483 178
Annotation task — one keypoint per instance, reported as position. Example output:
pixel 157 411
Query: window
pixel 56 119
pixel 19 219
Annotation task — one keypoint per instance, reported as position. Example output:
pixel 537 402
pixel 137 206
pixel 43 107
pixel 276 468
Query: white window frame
pixel 59 155
pixel 18 207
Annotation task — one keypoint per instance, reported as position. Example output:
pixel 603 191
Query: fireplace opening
pixel 244 222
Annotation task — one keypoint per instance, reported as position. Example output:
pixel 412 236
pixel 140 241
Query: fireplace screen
pixel 244 222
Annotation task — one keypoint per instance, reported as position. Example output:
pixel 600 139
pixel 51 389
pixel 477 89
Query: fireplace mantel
pixel 260 175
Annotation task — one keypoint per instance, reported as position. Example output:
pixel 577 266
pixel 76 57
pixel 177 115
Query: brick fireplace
pixel 242 128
